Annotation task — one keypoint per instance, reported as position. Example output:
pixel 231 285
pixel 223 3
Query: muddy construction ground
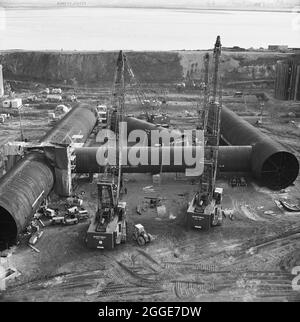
pixel 249 258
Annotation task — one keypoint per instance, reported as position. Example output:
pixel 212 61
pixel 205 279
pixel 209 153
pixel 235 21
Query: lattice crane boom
pixel 211 124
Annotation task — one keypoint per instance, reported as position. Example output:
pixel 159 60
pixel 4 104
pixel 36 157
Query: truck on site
pixel 31 99
pixel 54 98
pixel 57 220
pixel 102 114
pixel 140 235
pixel 49 212
pixel 160 119
pixel 72 210
pixel 71 221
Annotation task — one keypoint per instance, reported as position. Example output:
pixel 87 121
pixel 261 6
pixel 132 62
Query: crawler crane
pixel 108 226
pixel 205 209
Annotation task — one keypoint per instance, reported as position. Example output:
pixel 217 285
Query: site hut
pixel 12 103
pixel 54 98
pixel 56 91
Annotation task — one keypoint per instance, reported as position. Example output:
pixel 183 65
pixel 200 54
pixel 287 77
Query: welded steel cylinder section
pixel 21 192
pixel 272 164
pixel 231 159
pixel 138 124
pixel 235 158
pixel 79 121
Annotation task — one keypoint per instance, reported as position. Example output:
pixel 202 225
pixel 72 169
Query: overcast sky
pixel 154 3
pixel 156 28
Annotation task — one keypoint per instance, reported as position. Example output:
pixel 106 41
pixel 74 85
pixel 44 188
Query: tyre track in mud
pixel 140 274
pixel 237 250
pixel 266 284
pixel 269 282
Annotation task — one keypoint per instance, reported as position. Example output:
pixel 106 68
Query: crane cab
pixel 203 213
pixel 108 226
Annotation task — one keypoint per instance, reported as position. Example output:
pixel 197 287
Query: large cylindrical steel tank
pixel 21 192
pixel 231 159
pixel 79 121
pixel 272 164
pixel 25 186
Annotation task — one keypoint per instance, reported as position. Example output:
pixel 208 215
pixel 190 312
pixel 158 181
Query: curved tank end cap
pixel 274 167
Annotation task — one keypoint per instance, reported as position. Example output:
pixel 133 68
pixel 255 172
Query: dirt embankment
pixel 86 68
pixel 235 66
pixel 149 67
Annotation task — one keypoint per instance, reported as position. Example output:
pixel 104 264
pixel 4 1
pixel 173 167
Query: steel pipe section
pixel 25 186
pixel 231 159
pixel 79 121
pixel 235 158
pixel 21 192
pixel 271 163
pixel 137 124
